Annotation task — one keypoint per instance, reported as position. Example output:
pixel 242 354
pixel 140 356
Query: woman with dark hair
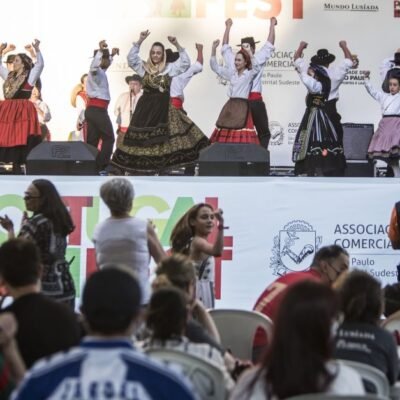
pixel 360 338
pixel 48 227
pixel 159 137
pixel 189 237
pixel 235 123
pixel 299 359
pixel 167 317
pixel 19 125
pixel 317 149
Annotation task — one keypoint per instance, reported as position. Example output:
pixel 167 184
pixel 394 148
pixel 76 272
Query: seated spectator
pixel 167 316
pixel 125 240
pixel 105 365
pixel 177 270
pixel 44 325
pixel 392 299
pixel 360 338
pixel 299 360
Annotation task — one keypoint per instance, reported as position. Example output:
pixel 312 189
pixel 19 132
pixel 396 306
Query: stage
pixel 266 218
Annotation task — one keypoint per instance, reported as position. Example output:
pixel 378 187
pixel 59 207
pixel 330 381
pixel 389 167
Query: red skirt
pixel 245 135
pixel 18 121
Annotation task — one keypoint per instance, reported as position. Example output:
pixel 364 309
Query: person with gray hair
pixel 125 240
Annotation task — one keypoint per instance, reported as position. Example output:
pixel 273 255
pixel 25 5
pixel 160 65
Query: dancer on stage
pixel 390 67
pixel 79 100
pixel 179 82
pixel 336 75
pixel 189 237
pixel 385 143
pixel 257 105
pixel 19 124
pixel 43 112
pixel 99 125
pixel 126 104
pixel 159 136
pixel 317 150
pixel 235 123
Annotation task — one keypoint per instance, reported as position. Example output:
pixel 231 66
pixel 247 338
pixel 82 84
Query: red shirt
pixel 269 301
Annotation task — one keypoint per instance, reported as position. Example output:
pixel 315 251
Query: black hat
pixel 323 57
pixel 134 77
pixel 396 58
pixel 171 56
pixel 249 40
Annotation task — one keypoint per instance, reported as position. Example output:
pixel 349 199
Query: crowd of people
pixel 105 347
pixel 155 134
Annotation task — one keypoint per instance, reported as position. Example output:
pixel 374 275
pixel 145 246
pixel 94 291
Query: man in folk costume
pixel 257 105
pixel 390 68
pixel 126 104
pixel 99 126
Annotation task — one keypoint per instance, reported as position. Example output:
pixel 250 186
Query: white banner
pixel 71 30
pixel 275 225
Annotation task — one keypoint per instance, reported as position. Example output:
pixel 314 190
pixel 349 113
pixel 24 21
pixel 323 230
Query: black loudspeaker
pixel 360 168
pixel 356 139
pixel 62 158
pixel 231 159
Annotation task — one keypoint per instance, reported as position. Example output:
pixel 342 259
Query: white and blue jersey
pixel 102 369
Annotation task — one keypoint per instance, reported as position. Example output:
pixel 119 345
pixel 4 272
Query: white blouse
pixel 262 56
pixel 179 82
pixel 240 85
pixel 172 69
pixel 390 103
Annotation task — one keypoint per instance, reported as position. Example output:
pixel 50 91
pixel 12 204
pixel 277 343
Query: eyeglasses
pixel 29 197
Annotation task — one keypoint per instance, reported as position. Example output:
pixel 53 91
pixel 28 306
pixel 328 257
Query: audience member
pixel 44 325
pixel 190 237
pixel 167 316
pixel 299 360
pixel 105 365
pixel 360 338
pixel 48 228
pixel 125 240
pixel 177 270
pixel 394 227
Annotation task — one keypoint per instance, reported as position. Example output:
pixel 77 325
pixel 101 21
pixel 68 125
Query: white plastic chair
pixel 237 329
pixel 323 396
pixel 371 374
pixel 207 378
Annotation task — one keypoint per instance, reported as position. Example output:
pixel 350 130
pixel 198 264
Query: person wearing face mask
pixel 99 126
pixel 235 122
pixel 385 143
pixel 159 137
pixel 329 265
pixel 257 105
pixel 20 129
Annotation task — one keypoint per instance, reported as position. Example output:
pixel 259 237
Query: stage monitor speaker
pixel 356 139
pixel 62 158
pixel 231 159
pixel 360 168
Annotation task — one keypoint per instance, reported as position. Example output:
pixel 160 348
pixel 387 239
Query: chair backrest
pixel 322 396
pixel 237 329
pixel 207 378
pixel 371 375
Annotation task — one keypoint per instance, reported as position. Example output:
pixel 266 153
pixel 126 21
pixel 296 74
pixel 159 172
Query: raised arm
pixel 346 51
pixel 95 65
pixel 155 248
pixel 200 56
pixel 299 52
pixel 3 69
pixel 271 35
pixel 37 69
pixel 224 72
pixel 182 63
pixel 134 60
pixel 228 26
pixel 378 95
